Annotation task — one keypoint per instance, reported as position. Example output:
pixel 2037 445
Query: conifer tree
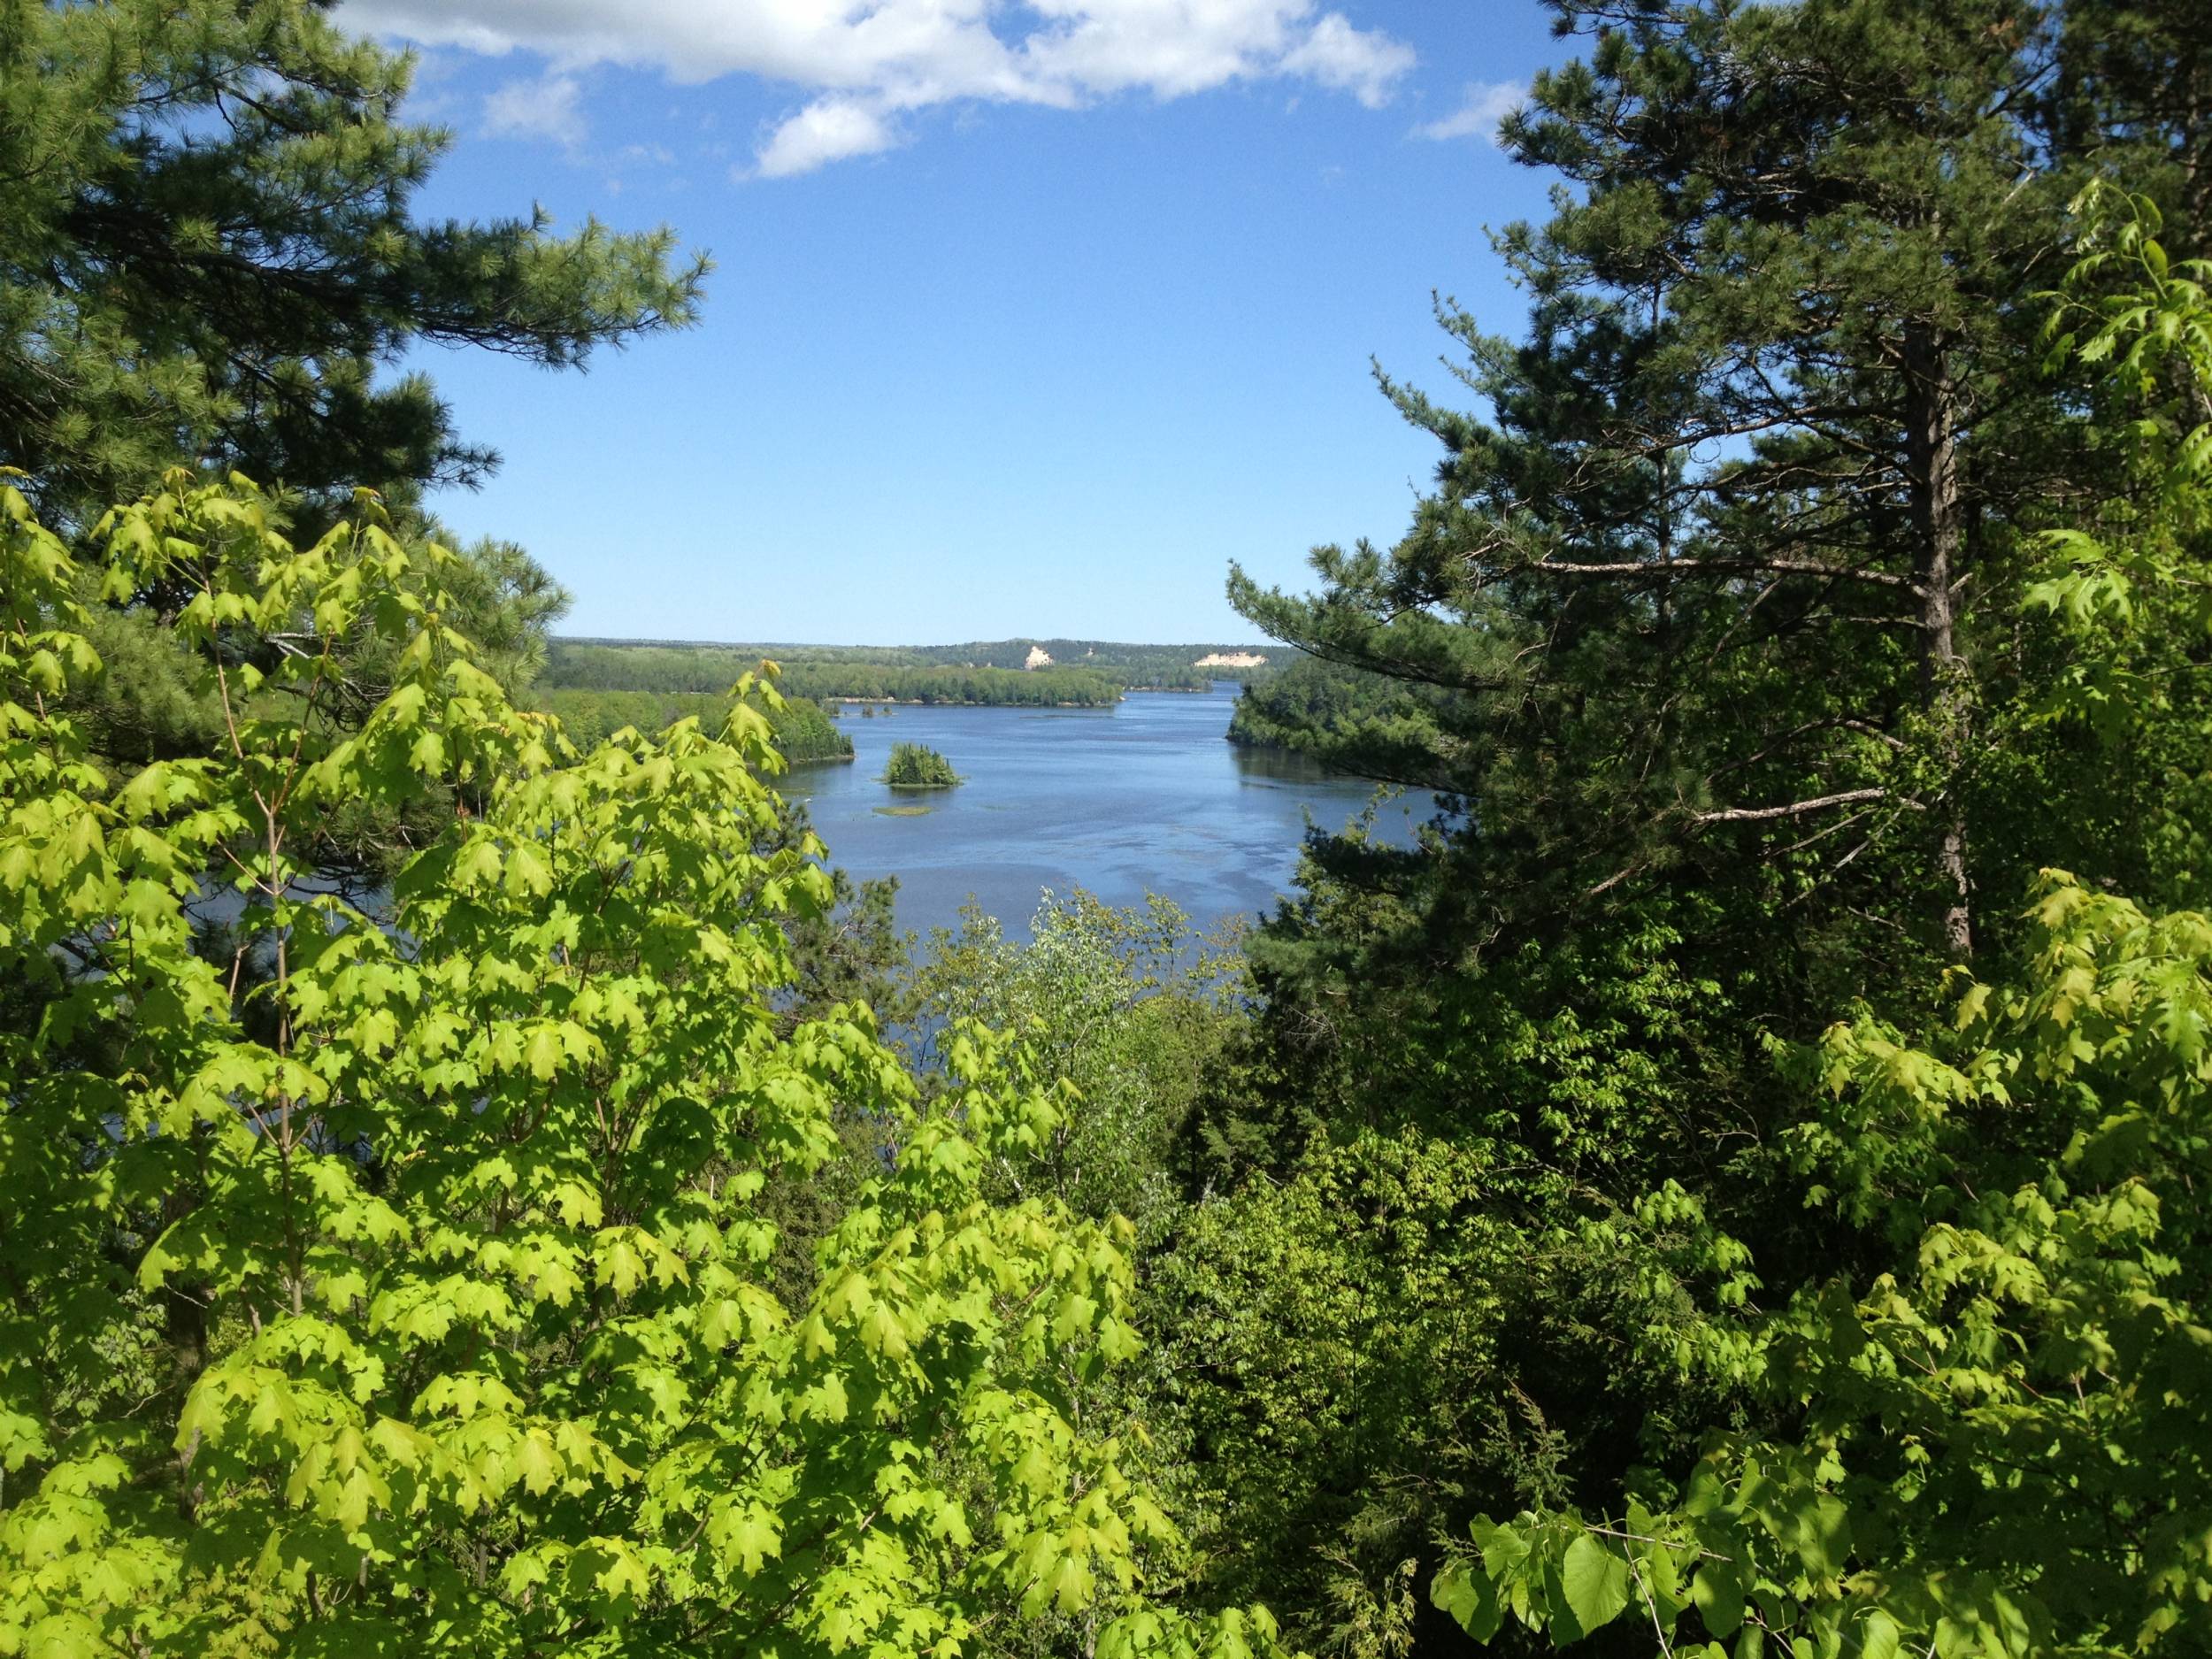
pixel 208 253
pixel 1730 637
pixel 1720 596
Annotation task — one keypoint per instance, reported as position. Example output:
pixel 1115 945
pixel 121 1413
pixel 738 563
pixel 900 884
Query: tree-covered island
pixel 913 766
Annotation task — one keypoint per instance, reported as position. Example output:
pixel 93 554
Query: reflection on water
pixel 1280 769
pixel 1146 795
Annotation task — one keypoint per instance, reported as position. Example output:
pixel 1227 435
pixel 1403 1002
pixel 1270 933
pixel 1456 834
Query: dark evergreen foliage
pixel 913 766
pixel 1719 639
pixel 208 252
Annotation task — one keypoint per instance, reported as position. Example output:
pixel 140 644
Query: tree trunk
pixel 1932 442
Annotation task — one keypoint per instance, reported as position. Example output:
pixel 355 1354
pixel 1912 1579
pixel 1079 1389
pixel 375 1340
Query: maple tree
pixel 393 1283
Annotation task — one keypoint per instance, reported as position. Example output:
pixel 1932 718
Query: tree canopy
pixel 409 1294
pixel 914 766
pixel 1818 572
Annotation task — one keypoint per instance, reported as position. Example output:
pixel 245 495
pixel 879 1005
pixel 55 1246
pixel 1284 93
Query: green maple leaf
pixel 746 1534
pixel 536 1463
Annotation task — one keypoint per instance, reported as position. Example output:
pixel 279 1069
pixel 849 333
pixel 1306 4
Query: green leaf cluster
pixel 416 1294
pixel 2001 1435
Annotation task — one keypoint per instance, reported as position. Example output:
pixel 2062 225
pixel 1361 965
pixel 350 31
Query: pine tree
pixel 1712 610
pixel 1730 638
pixel 208 253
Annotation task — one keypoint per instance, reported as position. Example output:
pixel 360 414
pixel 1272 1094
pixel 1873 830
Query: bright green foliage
pixel 410 1296
pixel 153 700
pixel 2007 1435
pixel 1138 1016
pixel 913 766
pixel 206 252
pixel 801 729
pixel 1327 1368
pixel 2126 609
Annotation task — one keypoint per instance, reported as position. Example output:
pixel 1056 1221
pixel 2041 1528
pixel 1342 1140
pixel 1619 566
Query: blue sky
pixel 1026 318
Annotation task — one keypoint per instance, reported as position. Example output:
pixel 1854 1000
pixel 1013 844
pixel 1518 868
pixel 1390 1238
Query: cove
pixel 1147 796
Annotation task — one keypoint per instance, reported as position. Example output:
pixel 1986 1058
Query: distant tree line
pixel 677 665
pixel 1352 720
pixel 684 668
pixel 1047 688
pixel 1151 667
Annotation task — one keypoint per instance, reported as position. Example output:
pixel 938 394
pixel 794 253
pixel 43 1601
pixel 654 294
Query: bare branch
pixel 1724 567
pixel 1798 808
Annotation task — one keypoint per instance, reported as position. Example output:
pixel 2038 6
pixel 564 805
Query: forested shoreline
pixel 993 674
pixel 821 677
pixel 476 1178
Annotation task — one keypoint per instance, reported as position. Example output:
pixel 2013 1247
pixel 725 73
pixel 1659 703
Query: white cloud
pixel 827 130
pixel 549 107
pixel 865 63
pixel 1360 62
pixel 1485 104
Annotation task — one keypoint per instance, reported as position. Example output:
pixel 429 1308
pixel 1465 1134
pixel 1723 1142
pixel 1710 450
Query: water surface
pixel 1143 796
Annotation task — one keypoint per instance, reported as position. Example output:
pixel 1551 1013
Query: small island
pixel 913 766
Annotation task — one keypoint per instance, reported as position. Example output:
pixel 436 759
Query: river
pixel 1144 796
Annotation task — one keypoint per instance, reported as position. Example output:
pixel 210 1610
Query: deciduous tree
pixel 412 1296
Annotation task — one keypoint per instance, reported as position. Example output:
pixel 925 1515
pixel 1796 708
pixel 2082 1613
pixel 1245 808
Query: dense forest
pixel 1004 687
pixel 1338 713
pixel 474 1183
